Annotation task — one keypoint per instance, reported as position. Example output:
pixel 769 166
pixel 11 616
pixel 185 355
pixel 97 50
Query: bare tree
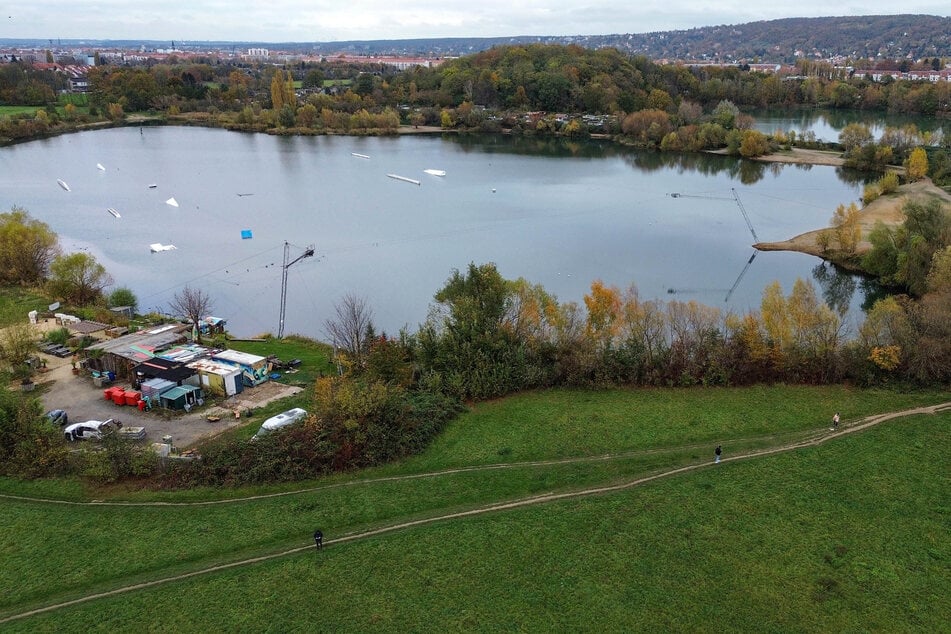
pixel 193 304
pixel 352 328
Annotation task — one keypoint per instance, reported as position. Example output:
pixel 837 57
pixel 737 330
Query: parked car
pixel 283 419
pixel 57 417
pixel 90 430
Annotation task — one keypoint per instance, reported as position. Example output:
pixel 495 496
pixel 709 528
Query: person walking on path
pixel 319 539
pixel 716 453
pixel 835 422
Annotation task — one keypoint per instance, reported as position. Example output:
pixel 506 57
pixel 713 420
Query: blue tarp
pixel 246 234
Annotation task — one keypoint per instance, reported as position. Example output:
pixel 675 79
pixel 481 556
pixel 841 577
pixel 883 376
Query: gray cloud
pixel 323 20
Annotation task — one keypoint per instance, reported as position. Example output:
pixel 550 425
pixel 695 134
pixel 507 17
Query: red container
pixel 141 405
pixel 107 393
pixel 132 397
pixel 118 397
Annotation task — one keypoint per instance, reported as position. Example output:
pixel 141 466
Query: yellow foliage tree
pixel 848 232
pixel 916 166
pixel 604 310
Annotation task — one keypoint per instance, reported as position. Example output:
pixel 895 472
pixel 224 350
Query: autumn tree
pixel 27 247
pixel 17 343
pixel 604 313
pixel 854 136
pixel 78 278
pixel 916 166
pixel 192 304
pixel 848 231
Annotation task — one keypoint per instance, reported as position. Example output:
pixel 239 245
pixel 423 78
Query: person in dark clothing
pixel 318 538
pixel 717 452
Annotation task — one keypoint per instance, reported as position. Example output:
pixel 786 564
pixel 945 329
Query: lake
pixel 827 124
pixel 558 213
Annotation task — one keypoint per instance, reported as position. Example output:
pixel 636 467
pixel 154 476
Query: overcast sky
pixel 328 20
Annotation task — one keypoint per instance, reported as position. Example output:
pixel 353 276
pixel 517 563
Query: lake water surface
pixel 558 213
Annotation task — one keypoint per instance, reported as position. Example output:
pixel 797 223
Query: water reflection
pixel 827 124
pixel 837 287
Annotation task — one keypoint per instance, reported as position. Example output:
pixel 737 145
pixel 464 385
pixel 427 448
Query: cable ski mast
pixel 746 217
pixel 736 198
pixel 308 252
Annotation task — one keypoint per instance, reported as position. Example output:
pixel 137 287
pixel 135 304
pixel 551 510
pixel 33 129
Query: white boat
pixel 62 184
pixel 404 179
pixel 113 211
pixel 152 185
pixel 436 172
pixel 158 246
pixel 172 202
pixel 363 156
pixel 100 167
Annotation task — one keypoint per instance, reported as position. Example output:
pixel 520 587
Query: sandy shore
pixel 887 209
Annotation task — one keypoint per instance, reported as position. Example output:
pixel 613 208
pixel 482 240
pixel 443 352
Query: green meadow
pixel 850 535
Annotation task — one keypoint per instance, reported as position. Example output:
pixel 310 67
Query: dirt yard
pixel 61 389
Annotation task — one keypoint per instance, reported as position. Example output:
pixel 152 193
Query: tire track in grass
pixel 543 498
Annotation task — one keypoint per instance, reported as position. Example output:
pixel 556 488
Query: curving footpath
pixel 813 441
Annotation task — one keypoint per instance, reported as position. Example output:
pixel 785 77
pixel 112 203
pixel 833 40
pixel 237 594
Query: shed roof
pixel 142 345
pixel 209 366
pixel 86 327
pixel 178 392
pixel 236 356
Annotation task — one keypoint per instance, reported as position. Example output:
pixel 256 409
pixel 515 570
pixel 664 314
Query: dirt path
pixel 814 440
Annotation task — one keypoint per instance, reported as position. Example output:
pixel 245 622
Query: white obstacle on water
pixel 404 179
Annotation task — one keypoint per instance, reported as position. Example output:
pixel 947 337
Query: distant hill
pixel 873 36
pixel 889 37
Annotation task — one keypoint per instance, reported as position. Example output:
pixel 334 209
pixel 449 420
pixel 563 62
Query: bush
pixel 888 184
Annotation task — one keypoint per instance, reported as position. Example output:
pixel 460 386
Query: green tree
pixel 123 296
pixel 27 247
pixel 465 349
pixel 313 79
pixel 725 114
pixel 78 278
pixel 29 446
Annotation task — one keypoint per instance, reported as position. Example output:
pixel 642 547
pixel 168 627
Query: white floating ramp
pixel 62 184
pixel 436 172
pixel 172 202
pixel 100 167
pixel 404 179
pixel 363 156
pixel 152 185
pixel 113 211
pixel 158 246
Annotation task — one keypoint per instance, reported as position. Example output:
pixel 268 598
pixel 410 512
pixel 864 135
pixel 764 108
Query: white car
pixel 283 419
pixel 90 430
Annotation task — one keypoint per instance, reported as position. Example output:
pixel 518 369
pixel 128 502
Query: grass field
pixel 852 534
pixel 314 356
pixel 16 302
pixel 6 111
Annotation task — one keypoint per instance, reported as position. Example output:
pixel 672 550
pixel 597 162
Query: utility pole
pixel 308 252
